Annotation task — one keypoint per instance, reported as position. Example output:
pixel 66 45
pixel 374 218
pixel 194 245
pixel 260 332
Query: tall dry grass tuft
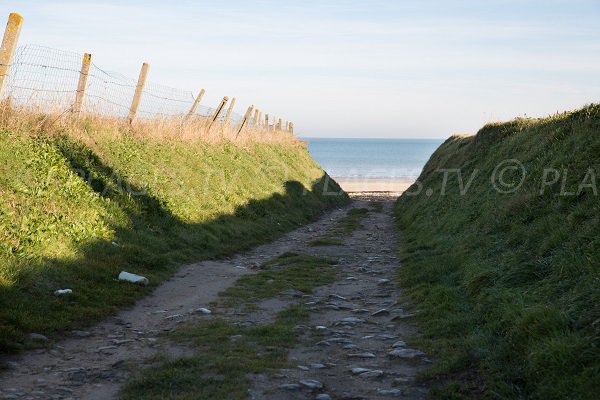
pixel 31 120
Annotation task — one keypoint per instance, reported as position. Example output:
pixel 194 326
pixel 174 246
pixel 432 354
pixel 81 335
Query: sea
pixel 398 159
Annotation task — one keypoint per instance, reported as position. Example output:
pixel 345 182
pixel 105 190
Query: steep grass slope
pixel 79 208
pixel 505 276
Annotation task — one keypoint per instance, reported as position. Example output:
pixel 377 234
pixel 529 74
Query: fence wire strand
pixel 46 79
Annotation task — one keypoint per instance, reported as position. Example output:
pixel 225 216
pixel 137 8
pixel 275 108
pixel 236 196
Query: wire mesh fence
pixel 46 79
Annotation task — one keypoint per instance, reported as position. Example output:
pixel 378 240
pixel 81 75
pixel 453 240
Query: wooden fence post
pixel 245 120
pixel 218 111
pixel 256 117
pixel 82 85
pixel 9 44
pixel 287 125
pixel 137 97
pixel 229 111
pixel 292 128
pixel 279 124
pixel 195 105
pixel 267 121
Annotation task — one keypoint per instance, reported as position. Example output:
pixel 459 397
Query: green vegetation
pixel 286 272
pixel 325 241
pixel 506 285
pixel 79 208
pixel 352 221
pixel 224 359
pixel 377 206
pixel 345 226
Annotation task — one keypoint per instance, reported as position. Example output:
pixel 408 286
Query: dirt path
pixel 356 323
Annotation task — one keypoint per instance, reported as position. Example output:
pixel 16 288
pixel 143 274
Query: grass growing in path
pixel 345 226
pixel 325 241
pixel 288 271
pixel 507 284
pixel 220 369
pixel 352 220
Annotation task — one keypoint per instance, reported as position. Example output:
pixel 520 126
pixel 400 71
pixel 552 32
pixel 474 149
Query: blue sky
pixel 346 68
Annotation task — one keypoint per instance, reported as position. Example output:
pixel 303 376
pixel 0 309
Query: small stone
pixel 303 367
pixel 381 312
pixel 358 370
pixel 37 337
pixel 352 320
pixel 174 316
pixel 399 343
pixel 405 353
pixel 387 337
pixel 290 386
pixel 311 383
pixel 390 392
pixel 320 328
pixel 337 296
pixel 383 281
pixel 317 366
pixel 368 337
pixel 362 355
pixel 202 310
pixel 323 396
pixel 376 373
pixel 350 346
pixel 360 311
pixel 351 278
pixel 401 381
pixel 118 342
pixel 235 338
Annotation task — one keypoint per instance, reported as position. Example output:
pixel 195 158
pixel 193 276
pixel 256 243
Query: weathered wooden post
pixel 229 111
pixel 267 121
pixel 260 118
pixel 9 44
pixel 274 122
pixel 245 120
pixel 195 105
pixel 218 111
pixel 139 89
pixel 287 125
pixel 279 124
pixel 292 128
pixel 82 85
pixel 256 117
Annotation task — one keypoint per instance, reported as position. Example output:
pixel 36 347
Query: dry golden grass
pixel 29 120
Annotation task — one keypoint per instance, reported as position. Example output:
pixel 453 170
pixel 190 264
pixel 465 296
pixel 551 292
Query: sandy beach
pixel 353 185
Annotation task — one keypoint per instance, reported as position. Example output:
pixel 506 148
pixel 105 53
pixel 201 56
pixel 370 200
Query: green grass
pixel 288 271
pixel 507 285
pixel 325 241
pixel 377 206
pixel 352 221
pixel 220 368
pixel 76 212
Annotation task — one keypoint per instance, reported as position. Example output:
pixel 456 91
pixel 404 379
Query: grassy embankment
pixel 84 201
pixel 507 286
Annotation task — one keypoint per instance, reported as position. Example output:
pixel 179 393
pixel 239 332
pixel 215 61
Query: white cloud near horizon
pixel 346 68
